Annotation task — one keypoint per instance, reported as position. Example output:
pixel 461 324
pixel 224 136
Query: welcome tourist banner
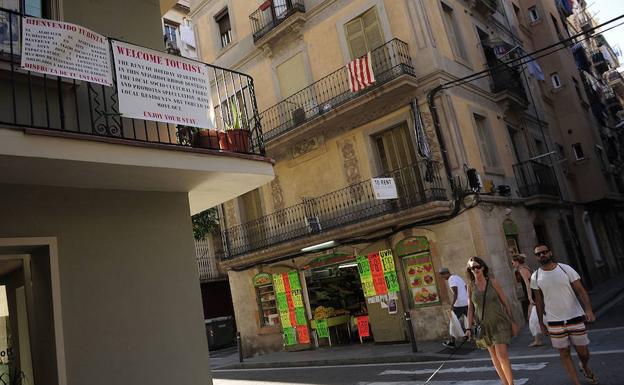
pixel 156 86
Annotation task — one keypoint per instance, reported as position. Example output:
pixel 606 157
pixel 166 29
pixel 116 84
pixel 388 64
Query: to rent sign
pixel 384 188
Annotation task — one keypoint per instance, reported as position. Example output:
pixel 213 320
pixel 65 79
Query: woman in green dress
pixel 488 305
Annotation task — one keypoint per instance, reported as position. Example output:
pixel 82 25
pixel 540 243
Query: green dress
pixel 497 326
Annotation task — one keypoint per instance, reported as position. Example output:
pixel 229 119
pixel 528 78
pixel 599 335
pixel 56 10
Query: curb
pixel 337 362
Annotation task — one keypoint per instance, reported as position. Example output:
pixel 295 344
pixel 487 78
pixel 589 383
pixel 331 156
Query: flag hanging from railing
pixel 361 73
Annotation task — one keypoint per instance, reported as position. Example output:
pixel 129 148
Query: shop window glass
pixel 265 295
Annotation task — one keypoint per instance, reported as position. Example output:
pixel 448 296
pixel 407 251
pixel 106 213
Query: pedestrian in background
pixel 554 286
pixel 459 304
pixel 489 311
pixel 523 276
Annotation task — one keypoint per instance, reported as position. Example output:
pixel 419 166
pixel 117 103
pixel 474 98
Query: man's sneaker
pixel 449 344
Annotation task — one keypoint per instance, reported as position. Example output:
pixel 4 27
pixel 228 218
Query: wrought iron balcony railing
pixel 535 178
pixel 504 77
pixel 389 61
pixel 55 103
pixel 416 185
pixel 272 13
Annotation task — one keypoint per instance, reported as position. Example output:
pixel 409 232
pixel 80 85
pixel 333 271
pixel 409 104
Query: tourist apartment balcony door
pixel 397 158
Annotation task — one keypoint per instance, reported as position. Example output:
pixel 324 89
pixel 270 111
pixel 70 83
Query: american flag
pixel 361 73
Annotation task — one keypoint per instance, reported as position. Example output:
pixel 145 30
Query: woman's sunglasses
pixel 476 267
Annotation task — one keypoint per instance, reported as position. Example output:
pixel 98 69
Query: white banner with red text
pixel 65 49
pixel 156 86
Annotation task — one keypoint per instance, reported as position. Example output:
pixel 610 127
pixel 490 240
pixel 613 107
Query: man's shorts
pixel 460 311
pixel 565 333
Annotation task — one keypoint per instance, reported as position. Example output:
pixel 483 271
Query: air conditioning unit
pixel 314 224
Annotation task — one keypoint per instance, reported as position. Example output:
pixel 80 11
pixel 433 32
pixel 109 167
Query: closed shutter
pixel 364 33
pixel 372 30
pixel 356 38
pixel 291 76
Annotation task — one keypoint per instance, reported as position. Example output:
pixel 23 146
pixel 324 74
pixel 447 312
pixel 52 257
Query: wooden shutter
pixel 372 30
pixel 291 76
pixel 356 38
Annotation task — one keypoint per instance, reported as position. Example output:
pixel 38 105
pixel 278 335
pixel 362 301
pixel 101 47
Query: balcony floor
pixel 47 158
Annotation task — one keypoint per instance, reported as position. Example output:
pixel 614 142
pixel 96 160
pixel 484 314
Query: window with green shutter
pixel 364 33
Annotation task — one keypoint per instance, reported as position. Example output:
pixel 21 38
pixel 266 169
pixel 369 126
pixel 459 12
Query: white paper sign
pixel 64 49
pixel 156 86
pixel 384 188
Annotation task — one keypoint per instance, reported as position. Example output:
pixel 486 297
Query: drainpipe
pixel 436 124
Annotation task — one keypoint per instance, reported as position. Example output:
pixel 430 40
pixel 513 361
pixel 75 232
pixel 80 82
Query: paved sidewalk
pixel 601 295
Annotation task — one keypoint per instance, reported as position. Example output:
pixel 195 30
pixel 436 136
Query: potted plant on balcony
pixel 237 138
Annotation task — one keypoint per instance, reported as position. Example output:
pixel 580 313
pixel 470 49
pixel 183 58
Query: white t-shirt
pixel 462 294
pixel 560 302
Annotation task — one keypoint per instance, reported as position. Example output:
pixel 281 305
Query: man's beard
pixel 545 260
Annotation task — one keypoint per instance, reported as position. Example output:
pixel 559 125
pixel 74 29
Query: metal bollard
pixel 410 329
pixel 239 344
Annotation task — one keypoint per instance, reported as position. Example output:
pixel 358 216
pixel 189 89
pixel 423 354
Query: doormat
pixel 467 348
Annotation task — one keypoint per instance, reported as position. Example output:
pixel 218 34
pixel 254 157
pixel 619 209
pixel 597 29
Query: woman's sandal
pixel 590 379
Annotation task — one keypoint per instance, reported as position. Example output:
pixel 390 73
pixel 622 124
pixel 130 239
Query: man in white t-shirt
pixel 460 298
pixel 555 288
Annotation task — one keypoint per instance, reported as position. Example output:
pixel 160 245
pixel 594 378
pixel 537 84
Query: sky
pixel 606 10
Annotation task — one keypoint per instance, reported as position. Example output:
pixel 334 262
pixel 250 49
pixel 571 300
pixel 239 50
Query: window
pixel 578 89
pixel 26 7
pixel 556 24
pixel 397 158
pixel 578 151
pixel 601 158
pixel 540 148
pixel 267 304
pixel 556 81
pixel 291 76
pixel 457 46
pixel 364 33
pixel 10 28
pixel 171 38
pixel 171 32
pixel 225 28
pixel 533 14
pixel 486 141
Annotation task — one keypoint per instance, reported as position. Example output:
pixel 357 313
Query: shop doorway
pixel 336 297
pixel 29 289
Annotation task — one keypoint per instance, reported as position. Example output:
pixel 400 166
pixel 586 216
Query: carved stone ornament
pixel 351 167
pixel 434 148
pixel 230 213
pixel 277 197
pixel 305 146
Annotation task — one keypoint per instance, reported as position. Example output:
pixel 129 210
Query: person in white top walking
pixel 460 298
pixel 555 287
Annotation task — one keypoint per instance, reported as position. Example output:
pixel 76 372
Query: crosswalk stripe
pixel 465 369
pixel 520 381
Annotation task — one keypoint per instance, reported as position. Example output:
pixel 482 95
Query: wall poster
pixel 291 309
pixel 378 273
pixel 421 279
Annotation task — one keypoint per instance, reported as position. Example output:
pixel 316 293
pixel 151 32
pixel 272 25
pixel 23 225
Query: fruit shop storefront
pixel 343 298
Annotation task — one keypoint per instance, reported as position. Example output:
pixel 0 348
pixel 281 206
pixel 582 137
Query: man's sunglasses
pixel 543 252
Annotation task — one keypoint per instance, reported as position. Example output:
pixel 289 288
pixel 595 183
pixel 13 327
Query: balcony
pixel 600 63
pixel 51 123
pixel 506 82
pixel 273 14
pixel 330 102
pixel 417 185
pixel 536 179
pixel 484 7
pixel 615 81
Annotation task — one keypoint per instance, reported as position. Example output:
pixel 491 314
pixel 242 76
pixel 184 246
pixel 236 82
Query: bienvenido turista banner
pixel 156 86
pixel 67 50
